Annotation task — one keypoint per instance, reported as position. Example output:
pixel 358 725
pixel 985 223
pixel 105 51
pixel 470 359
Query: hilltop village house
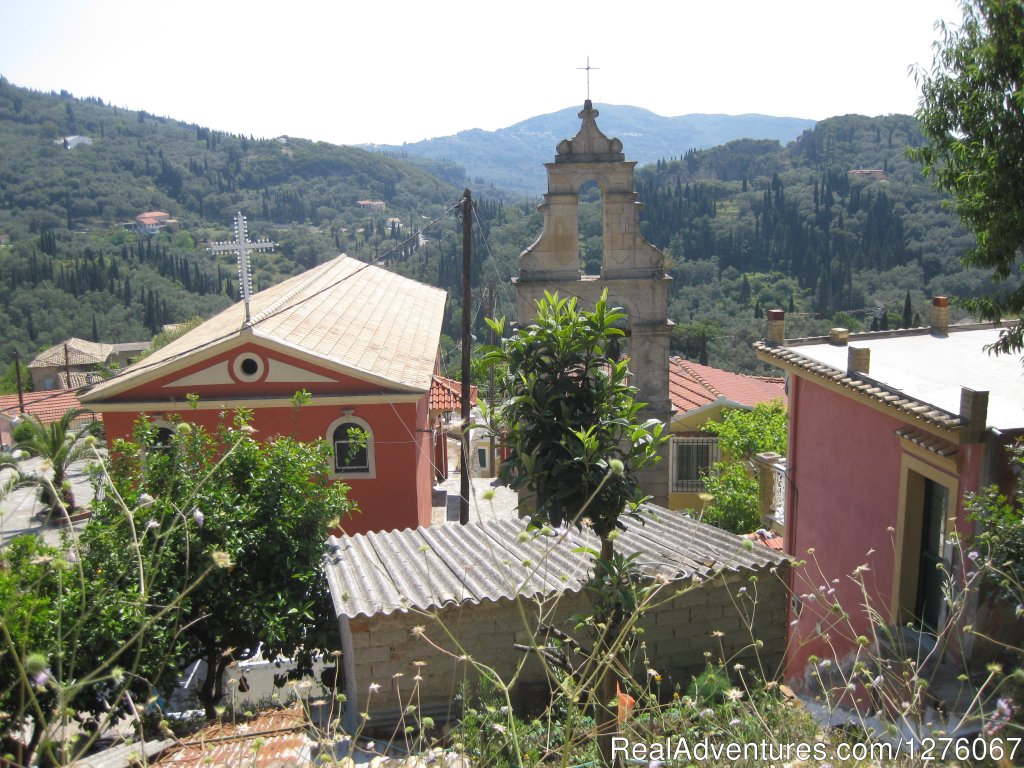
pixel 887 432
pixel 74 362
pixel 362 341
pixel 700 394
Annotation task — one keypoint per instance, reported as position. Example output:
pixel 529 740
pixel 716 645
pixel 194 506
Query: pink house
pixel 888 431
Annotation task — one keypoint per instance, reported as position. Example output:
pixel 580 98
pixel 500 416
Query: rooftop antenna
pixel 588 68
pixel 241 246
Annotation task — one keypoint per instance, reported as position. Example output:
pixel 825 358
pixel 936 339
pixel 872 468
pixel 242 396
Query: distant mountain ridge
pixel 513 158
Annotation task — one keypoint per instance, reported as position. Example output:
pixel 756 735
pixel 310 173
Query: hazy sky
pixel 388 72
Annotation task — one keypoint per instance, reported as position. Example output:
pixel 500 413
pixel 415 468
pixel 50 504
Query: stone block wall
pixel 421 658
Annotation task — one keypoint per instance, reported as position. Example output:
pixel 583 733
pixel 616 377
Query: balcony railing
pixel 771 476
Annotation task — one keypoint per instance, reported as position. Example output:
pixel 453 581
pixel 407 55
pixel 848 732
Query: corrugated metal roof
pixel 430 568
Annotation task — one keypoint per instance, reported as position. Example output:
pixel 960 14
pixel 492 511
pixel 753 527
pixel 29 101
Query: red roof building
pixel 360 340
pixel 699 394
pixel 46 406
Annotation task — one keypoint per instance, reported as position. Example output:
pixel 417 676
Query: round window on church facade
pixel 248 367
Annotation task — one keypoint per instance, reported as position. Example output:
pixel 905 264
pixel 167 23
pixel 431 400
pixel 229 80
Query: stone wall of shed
pixel 394 653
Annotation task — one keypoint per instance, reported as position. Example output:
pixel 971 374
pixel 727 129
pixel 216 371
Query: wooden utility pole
pixel 492 464
pixel 467 249
pixel 17 379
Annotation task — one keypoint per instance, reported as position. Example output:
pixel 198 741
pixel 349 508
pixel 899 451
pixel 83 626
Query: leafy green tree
pixel 30 621
pixel 972 115
pixel 1000 531
pixel 59 446
pixel 9 380
pixel 571 417
pixel 731 482
pixel 576 442
pixel 259 512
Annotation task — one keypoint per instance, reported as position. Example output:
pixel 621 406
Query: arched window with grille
pixel 351 441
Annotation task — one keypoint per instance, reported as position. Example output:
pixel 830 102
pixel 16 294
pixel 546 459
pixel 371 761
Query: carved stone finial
pixel 589 145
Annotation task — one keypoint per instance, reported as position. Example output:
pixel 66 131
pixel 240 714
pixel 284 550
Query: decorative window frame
pixel 242 359
pixel 691 485
pixel 370 473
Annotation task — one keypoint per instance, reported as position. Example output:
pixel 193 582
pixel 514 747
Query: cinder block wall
pixel 424 659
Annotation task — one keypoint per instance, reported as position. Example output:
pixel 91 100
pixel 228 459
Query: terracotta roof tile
pixel 80 352
pixel 876 390
pixel 446 394
pixel 274 739
pixel 47 406
pixel 692 385
pixel 768 539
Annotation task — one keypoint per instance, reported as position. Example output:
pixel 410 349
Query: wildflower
pixel 738 667
pixel 498 727
pixel 973 555
pixel 718 633
pixel 617 467
pixel 708 712
pixel 374 687
pixel 198 516
pixel 90 441
pixel 734 694
pixel 418 631
pixel 742 590
pixel 222 560
pixel 145 500
pixel 152 524
pixel 734 722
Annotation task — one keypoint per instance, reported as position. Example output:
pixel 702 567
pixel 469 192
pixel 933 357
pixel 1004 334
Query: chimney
pixel 775 333
pixel 839 337
pixel 973 408
pixel 940 315
pixel 858 360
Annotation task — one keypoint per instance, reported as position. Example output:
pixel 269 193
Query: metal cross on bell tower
pixel 588 69
pixel 241 246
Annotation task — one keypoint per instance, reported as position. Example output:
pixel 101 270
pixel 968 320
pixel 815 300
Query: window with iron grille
pixel 692 458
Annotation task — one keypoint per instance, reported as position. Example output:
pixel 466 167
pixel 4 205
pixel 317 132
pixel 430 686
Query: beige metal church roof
pixel 350 315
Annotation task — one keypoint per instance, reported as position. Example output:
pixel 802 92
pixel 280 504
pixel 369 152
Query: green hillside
pixel 511 160
pixel 69 266
pixel 747 225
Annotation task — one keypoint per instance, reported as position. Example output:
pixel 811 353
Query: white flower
pixel 198 516
pixel 144 500
pixel 374 687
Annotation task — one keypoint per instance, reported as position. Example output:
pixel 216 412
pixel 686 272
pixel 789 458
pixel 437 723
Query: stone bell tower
pixel 632 270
